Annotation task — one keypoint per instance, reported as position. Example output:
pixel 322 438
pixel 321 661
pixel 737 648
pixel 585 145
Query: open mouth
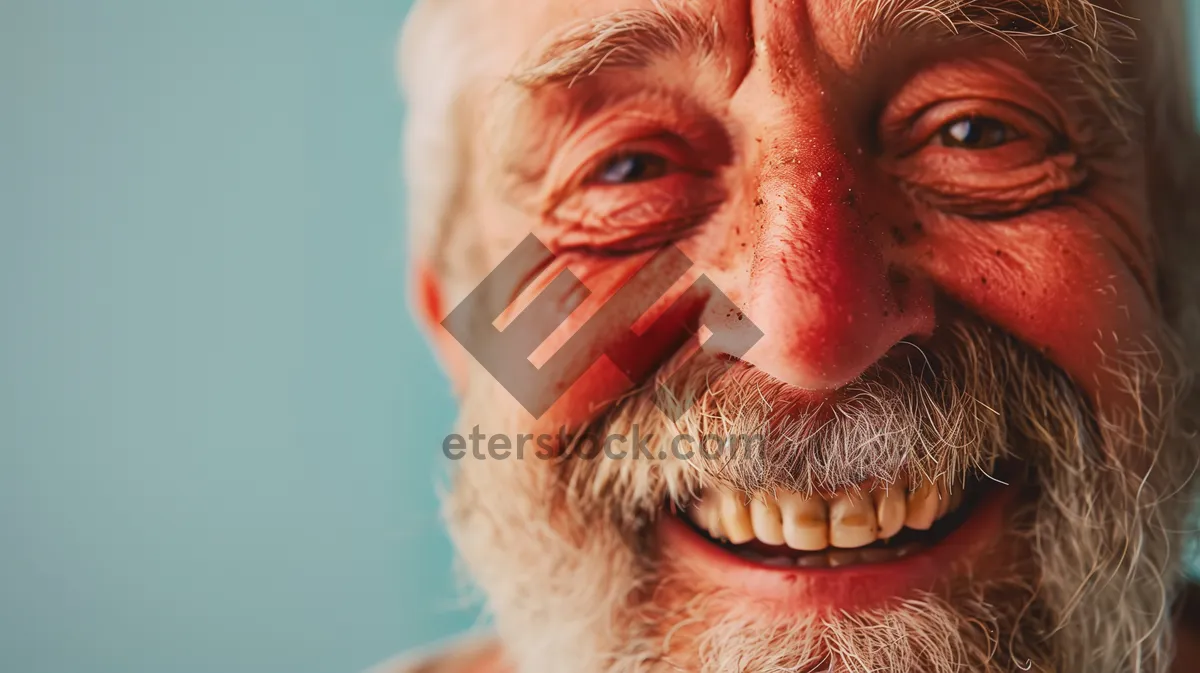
pixel 857 526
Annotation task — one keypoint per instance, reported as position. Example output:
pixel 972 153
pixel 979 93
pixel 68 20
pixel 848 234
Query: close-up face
pixel 915 254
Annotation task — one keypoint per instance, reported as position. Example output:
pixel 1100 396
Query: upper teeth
pixel 848 519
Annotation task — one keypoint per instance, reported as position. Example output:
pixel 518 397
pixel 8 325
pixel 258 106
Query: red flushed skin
pixel 820 240
pixel 808 180
pixel 820 285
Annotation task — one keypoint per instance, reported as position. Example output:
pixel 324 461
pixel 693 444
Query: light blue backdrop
pixel 217 423
pixel 218 426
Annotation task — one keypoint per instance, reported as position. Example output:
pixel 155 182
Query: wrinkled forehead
pixel 535 32
pixel 564 49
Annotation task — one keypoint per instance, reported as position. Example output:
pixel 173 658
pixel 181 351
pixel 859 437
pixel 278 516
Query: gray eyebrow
pixel 632 38
pixel 636 38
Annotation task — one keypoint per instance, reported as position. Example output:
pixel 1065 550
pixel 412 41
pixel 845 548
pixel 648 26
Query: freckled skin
pixel 805 236
pixel 819 234
pixel 821 291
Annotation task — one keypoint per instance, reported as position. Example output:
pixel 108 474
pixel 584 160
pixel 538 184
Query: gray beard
pixel 564 553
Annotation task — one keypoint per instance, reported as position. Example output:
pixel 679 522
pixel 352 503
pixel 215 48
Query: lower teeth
pixel 833 558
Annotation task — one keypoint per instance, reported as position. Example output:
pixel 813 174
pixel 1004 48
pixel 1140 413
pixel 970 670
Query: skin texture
pixel 802 155
pixel 806 222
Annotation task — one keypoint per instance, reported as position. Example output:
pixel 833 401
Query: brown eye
pixel 976 133
pixel 633 167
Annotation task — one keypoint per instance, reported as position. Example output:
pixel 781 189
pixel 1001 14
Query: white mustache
pixel 937 416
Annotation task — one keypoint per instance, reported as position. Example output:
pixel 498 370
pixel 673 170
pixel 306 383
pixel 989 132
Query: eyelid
pixel 660 123
pixel 668 147
pixel 904 139
pixel 990 83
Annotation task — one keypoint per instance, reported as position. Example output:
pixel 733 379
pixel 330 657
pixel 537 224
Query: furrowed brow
pixel 627 39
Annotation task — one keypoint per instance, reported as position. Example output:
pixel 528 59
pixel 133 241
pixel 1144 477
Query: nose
pixel 821 287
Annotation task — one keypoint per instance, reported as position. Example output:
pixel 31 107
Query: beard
pixel 566 554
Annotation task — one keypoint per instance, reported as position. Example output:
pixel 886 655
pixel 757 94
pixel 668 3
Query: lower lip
pixel 855 587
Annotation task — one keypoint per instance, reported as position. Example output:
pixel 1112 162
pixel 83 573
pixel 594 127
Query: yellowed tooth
pixel 922 507
pixel 767 520
pixel 805 521
pixel 890 509
pixel 852 520
pixel 735 517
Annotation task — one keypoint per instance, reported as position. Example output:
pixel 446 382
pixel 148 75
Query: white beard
pixel 564 554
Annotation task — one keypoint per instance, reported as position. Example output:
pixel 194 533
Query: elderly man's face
pixel 938 222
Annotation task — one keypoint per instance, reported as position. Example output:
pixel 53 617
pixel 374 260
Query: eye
pixel 631 167
pixel 976 133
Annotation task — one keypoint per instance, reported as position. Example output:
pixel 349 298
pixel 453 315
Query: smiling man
pixel 936 257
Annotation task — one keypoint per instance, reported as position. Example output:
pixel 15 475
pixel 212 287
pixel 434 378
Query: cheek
pixel 1051 281
pixel 589 321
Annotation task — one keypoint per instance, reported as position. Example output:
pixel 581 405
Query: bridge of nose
pixel 820 284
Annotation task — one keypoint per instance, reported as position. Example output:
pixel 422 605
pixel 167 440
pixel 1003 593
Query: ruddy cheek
pixel 1055 286
pixel 590 322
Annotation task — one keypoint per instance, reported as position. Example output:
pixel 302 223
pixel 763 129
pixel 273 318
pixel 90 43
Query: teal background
pixel 217 421
pixel 218 425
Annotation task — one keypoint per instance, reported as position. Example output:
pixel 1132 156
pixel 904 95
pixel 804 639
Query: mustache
pixel 953 408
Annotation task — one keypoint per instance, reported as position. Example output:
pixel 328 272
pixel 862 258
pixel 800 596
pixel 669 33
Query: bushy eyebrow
pixel 625 39
pixel 1046 17
pixel 635 38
